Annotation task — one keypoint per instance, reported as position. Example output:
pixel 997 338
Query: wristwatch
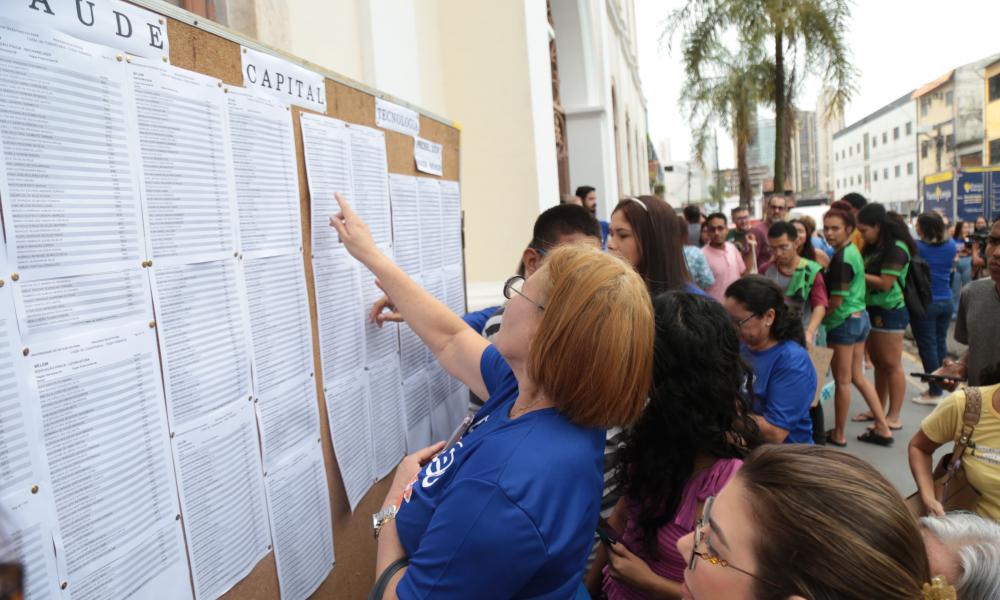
pixel 382 517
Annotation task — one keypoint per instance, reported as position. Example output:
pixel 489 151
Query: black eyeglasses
pixel 514 285
pixel 711 556
pixel 739 324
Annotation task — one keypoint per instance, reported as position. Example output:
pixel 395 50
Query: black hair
pixel 759 294
pixel 717 215
pixel 783 228
pixel 695 408
pixel 856 200
pixel 806 250
pixel 583 190
pixel 563 219
pixel 891 229
pixel 957 232
pixel 692 213
pixel 738 209
pixel 661 249
pixel 931 227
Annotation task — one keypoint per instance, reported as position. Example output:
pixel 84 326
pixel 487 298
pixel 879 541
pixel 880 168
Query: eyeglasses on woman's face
pixel 711 556
pixel 514 285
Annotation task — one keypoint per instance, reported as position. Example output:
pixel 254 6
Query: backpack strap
pixel 973 409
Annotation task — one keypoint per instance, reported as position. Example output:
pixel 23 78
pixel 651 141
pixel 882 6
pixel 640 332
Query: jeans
pixel 961 276
pixel 931 334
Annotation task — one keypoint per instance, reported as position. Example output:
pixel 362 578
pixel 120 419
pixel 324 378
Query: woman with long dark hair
pixel 773 342
pixel 888 248
pixel 644 233
pixel 805 242
pixel 687 444
pixel 931 332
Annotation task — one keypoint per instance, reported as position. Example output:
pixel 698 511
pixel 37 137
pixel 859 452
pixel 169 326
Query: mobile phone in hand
pixel 607 534
pixel 931 377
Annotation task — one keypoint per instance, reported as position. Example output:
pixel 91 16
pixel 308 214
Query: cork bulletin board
pixel 205 47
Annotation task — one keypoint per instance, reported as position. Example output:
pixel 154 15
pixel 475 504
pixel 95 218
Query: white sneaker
pixel 927 400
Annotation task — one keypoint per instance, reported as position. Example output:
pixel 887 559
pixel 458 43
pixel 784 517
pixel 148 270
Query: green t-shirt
pixel 845 277
pixel 893 261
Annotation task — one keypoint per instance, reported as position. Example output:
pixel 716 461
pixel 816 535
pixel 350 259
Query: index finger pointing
pixel 345 208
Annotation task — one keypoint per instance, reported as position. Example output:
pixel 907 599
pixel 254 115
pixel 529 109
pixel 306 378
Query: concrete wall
pixel 991 116
pixel 888 147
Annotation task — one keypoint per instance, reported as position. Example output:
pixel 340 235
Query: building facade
pixel 828 121
pixel 520 80
pixel 877 156
pixel 991 114
pixel 805 160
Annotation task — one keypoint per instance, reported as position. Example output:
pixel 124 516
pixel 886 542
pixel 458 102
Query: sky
pixel 896 46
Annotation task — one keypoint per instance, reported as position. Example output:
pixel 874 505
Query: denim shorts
pixel 889 320
pixel 852 331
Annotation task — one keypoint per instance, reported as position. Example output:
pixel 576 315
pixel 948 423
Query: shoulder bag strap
pixel 973 409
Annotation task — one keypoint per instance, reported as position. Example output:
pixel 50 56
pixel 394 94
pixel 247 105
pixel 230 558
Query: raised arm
pixel 457 347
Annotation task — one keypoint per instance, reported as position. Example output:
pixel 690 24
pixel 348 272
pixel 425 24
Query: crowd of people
pixel 648 429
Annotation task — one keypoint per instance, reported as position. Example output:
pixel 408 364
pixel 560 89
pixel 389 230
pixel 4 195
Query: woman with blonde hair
pixel 508 510
pixel 806 522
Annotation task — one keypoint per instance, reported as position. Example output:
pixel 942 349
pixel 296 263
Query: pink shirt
pixel 669 564
pixel 727 265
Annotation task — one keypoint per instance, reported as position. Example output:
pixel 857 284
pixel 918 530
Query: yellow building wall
pixel 939 113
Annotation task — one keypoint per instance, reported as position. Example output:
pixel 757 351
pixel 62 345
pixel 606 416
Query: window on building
pixel 898 170
pixel 909 168
pixel 859 147
pixel 885 173
pixel 852 180
pixel 924 146
pixel 874 141
pixel 885 137
pixel 950 142
pixel 994 90
pixel 909 128
pixel 924 103
pixel 995 152
pixel 850 151
pixel 949 98
pixel 875 175
pixel 895 133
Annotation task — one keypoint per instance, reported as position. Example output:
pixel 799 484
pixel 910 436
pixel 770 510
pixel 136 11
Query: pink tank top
pixel 669 564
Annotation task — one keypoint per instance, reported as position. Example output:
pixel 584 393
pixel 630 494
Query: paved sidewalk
pixel 893 462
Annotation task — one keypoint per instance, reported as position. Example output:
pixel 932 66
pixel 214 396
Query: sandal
pixel 862 417
pixel 832 442
pixel 870 437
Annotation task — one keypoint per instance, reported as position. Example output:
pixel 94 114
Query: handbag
pixel 951 487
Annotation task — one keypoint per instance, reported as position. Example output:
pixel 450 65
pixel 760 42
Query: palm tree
pixel 791 30
pixel 725 89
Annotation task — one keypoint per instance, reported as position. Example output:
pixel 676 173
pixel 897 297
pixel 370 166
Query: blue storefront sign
pixel 993 195
pixel 938 194
pixel 970 194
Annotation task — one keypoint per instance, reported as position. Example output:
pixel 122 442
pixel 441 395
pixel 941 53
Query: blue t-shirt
pixel 510 510
pixel 940 257
pixel 477 320
pixel 784 385
pixel 693 289
pixel 605 228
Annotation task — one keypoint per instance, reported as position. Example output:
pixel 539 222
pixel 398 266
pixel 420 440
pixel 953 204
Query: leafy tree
pixel 810 31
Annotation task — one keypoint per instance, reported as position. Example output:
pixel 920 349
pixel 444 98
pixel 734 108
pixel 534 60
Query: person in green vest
pixel 888 248
pixel 847 327
pixel 798 277
pixel 802 283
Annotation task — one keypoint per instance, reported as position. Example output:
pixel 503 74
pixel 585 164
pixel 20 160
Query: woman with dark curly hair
pixel 688 443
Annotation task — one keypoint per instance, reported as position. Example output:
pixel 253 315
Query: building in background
pixel 547 100
pixel 761 150
pixel 827 123
pixel 877 156
pixel 950 119
pixel 991 114
pixel 805 162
